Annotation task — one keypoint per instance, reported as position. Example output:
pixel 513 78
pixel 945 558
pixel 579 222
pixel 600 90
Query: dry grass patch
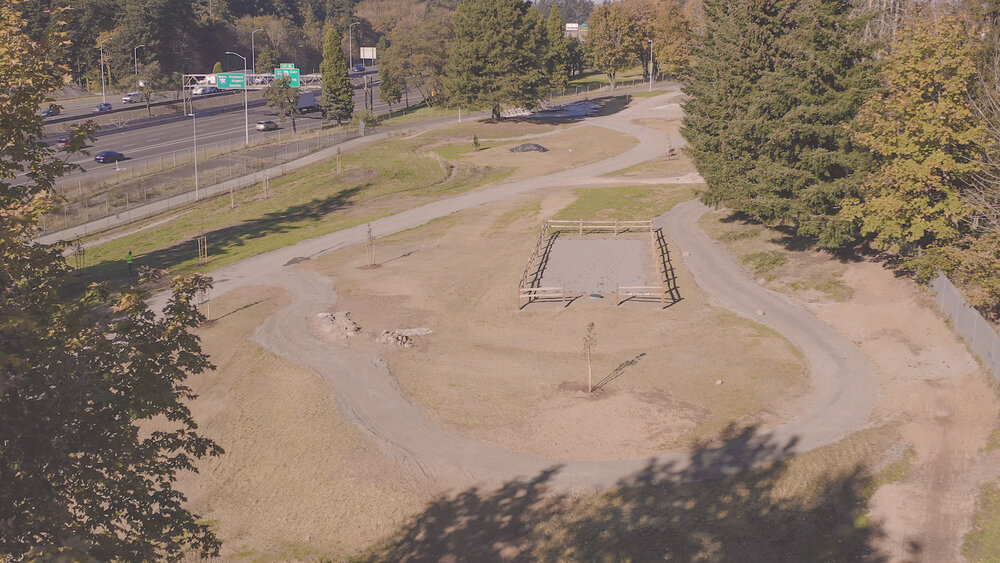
pixel 516 377
pixel 296 481
pixel 569 149
pixel 811 275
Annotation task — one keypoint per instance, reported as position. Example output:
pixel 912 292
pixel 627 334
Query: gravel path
pixel 369 396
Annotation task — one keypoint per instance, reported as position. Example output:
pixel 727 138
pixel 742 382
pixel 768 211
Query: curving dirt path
pixel 843 380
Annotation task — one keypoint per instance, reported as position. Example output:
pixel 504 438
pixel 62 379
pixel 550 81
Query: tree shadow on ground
pixel 606 105
pixel 789 238
pixel 275 222
pixel 724 506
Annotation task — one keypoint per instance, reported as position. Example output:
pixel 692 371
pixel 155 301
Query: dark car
pixel 108 156
pixel 101 108
pixel 359 68
pixel 266 126
pixel 50 111
pixel 61 142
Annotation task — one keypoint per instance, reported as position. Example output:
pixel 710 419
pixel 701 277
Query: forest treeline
pixel 873 126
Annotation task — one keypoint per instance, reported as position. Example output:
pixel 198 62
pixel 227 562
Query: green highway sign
pixel 287 65
pixel 230 80
pixel 292 73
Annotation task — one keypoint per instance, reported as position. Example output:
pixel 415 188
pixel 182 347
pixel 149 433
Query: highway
pixel 163 135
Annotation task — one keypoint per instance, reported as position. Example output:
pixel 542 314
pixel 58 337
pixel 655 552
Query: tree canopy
pixel 84 471
pixel 338 92
pixel 494 59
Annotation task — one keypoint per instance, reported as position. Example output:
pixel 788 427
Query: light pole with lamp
pixel 246 113
pixel 253 52
pixel 194 127
pixel 100 45
pixel 135 57
pixel 650 65
pixel 350 43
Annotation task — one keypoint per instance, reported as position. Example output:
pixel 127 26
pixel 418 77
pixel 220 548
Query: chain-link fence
pixel 142 181
pixel 971 326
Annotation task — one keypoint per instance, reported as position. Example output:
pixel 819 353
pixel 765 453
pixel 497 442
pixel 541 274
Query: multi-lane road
pixel 162 135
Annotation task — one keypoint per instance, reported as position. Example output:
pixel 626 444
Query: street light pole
pixel 194 127
pixel 100 45
pixel 253 52
pixel 246 113
pixel 135 57
pixel 350 43
pixel 650 65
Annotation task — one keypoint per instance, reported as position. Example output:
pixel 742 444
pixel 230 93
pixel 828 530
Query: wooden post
pixel 581 227
pixel 617 296
pixel 564 296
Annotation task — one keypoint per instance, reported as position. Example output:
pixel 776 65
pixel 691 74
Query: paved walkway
pixel 843 381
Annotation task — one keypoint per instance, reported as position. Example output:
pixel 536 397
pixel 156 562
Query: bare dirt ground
pixel 933 393
pixel 517 377
pixel 329 450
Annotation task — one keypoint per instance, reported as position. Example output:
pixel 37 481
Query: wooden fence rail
pixel 533 293
pixel 615 226
pixel 640 291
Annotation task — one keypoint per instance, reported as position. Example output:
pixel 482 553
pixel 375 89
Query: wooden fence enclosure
pixel 530 290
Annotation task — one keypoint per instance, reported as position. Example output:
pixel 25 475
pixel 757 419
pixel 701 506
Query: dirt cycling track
pixel 843 382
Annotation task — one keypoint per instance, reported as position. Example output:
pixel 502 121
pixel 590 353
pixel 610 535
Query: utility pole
pixel 253 52
pixel 246 111
pixel 100 45
pixel 135 56
pixel 650 65
pixel 350 43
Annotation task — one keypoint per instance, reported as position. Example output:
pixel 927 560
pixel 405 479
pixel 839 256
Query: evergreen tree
pixel 926 139
pixel 557 57
pixel 268 59
pixel 338 92
pixel 494 59
pixel 774 84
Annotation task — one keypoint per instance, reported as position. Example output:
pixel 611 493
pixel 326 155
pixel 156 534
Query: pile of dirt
pixel 529 147
pixel 340 326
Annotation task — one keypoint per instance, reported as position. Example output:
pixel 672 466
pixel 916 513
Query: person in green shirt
pixel 128 261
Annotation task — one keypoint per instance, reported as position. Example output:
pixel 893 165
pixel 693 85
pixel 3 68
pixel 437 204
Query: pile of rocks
pixel 340 325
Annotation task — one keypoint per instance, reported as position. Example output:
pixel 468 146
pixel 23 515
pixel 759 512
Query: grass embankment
pixel 381 180
pixel 780 260
pixel 597 79
pixel 624 203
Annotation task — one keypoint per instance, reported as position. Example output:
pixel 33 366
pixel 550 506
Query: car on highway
pixel 101 108
pixel 202 90
pixel 131 98
pixel 358 68
pixel 108 156
pixel 266 126
pixel 61 142
pixel 50 111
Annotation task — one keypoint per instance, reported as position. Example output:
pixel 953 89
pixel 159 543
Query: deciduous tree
pixel 925 137
pixel 284 97
pixel 613 40
pixel 393 83
pixel 83 472
pixel 338 92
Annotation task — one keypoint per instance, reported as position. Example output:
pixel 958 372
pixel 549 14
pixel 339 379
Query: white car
pixel 131 98
pixel 202 90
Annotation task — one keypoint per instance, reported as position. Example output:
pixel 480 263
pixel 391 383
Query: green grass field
pixel 301 205
pixel 624 203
